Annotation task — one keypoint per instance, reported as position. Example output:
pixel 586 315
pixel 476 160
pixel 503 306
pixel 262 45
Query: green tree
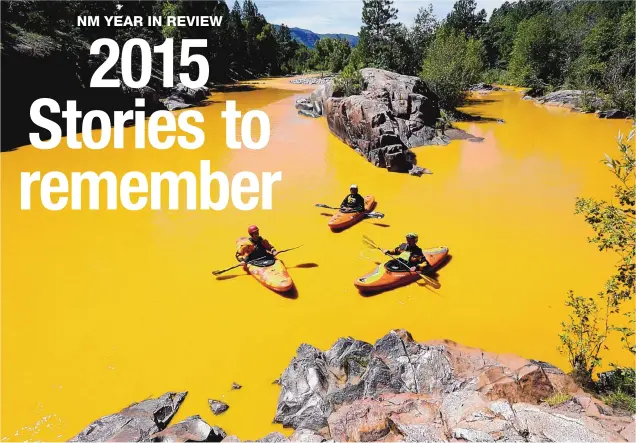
pixel 377 23
pixel 535 53
pixel 422 33
pixel 453 62
pixel 614 226
pixel 331 54
pixel 463 18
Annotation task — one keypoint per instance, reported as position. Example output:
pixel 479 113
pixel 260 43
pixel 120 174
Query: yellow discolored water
pixel 103 308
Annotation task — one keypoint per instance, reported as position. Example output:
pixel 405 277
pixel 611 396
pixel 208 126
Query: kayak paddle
pixel 425 277
pixel 366 214
pixel 221 271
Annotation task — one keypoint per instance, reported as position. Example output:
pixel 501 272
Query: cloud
pixel 344 16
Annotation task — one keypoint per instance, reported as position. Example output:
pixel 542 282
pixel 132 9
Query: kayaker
pixel 257 248
pixel 417 262
pixel 352 202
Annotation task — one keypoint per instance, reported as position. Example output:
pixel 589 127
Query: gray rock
pixel 471 435
pixel 312 80
pixel 236 385
pixel 613 113
pixel 419 171
pixel 191 429
pixel 274 437
pixel 191 95
pixel 306 436
pixel 136 422
pixel 484 87
pixel 543 425
pixel 174 103
pixel 574 98
pixel 218 407
pixel 231 439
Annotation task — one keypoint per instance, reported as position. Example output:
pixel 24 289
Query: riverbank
pixel 399 390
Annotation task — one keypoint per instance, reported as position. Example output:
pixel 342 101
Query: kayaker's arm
pixel 396 251
pixel 269 248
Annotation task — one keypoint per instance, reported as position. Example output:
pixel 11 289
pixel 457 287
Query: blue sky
pixel 343 16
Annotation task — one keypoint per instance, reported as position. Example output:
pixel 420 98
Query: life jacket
pixel 252 249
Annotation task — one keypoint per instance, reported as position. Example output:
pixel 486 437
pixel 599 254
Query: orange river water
pixel 103 308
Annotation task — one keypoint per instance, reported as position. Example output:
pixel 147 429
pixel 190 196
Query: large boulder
pixel 137 422
pixel 393 113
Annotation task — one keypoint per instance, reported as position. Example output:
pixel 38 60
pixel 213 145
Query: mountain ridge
pixel 309 38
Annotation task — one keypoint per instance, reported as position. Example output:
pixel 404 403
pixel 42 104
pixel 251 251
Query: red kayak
pixel 343 220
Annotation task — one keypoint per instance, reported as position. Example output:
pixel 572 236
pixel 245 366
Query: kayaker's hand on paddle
pixel 413 269
pixel 274 252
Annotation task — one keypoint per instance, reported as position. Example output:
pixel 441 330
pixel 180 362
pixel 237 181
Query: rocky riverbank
pixel 313 80
pixel 392 114
pixel 580 101
pixel 399 390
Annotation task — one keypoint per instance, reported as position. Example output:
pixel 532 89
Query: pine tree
pixel 376 30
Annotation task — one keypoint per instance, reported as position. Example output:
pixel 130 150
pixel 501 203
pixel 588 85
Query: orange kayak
pixel 343 220
pixel 390 275
pixel 271 273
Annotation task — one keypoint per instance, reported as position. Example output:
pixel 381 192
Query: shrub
pixel 534 56
pixel 349 82
pixel 621 400
pixel 452 63
pixel 557 398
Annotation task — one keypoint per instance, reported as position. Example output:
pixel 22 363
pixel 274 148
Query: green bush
pixel 452 63
pixel 349 82
pixel 535 56
pixel 495 75
pixel 621 400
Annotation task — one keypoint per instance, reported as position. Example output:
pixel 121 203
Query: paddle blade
pixel 370 242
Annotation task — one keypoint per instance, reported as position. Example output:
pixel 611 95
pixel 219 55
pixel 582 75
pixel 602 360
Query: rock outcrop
pixel 392 114
pixel 137 422
pixel 400 390
pixel 574 99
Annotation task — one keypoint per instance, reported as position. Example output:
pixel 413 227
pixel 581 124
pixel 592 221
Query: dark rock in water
pixel 613 113
pixel 137 422
pixel 190 95
pixel 191 429
pixel 218 407
pixel 150 95
pixel 236 386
